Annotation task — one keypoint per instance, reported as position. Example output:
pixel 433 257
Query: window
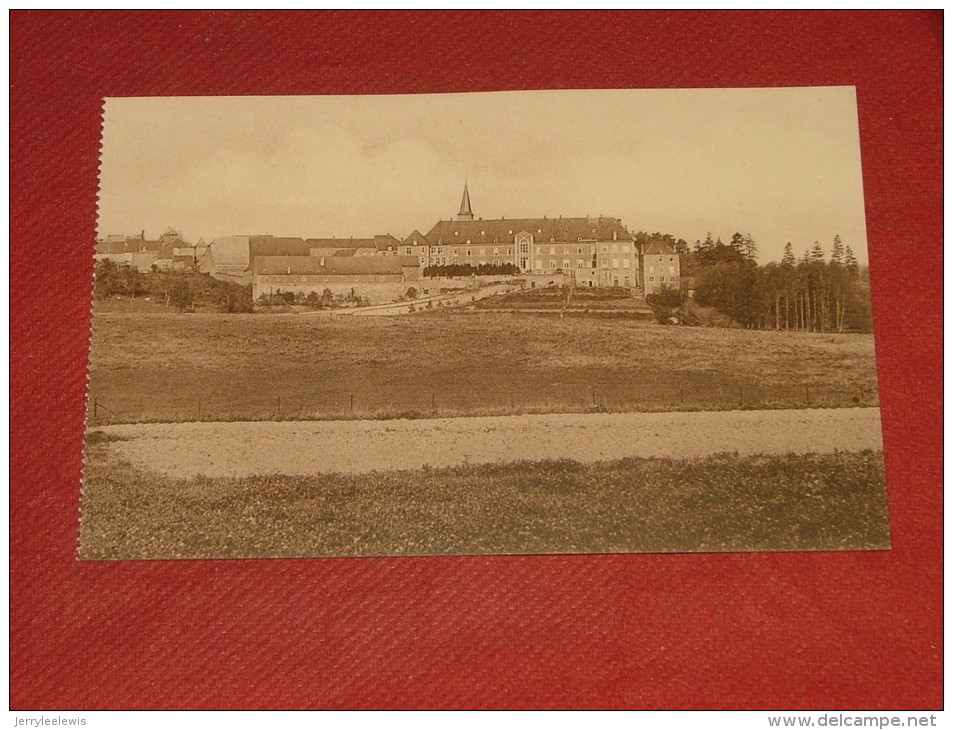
pixel 615 263
pixel 539 250
pixel 565 263
pixel 651 278
pixel 510 231
pixel 456 251
pixel 456 233
pixel 579 249
pixel 671 269
pixel 469 252
pixel 625 263
pixel 439 249
pixel 651 268
pixel 409 251
pixel 581 264
pixel 672 278
pixel 468 240
pixel 523 247
pixel 509 251
pixel 552 249
pixel 539 230
pixel 615 248
pixel 552 264
pixel 482 233
pixel 670 258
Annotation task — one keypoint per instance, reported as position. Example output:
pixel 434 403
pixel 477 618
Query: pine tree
pixel 788 259
pixel 737 242
pixel 837 254
pixel 850 262
pixel 749 247
pixel 817 253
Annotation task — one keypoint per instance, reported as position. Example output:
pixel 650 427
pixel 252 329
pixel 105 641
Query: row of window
pixel 662 279
pixel 671 269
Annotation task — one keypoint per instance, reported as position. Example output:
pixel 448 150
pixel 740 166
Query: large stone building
pixel 590 251
pixel 374 279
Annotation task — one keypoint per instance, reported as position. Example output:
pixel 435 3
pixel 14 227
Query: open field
pixel 720 503
pixel 188 367
pixel 301 448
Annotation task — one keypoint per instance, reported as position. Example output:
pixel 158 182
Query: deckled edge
pixel 89 334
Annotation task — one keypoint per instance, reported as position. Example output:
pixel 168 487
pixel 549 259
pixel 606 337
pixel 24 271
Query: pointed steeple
pixel 465 214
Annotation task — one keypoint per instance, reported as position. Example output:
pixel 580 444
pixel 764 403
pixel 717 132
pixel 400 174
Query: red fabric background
pixel 778 631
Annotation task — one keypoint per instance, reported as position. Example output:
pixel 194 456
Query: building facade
pixel 591 251
pixel 661 268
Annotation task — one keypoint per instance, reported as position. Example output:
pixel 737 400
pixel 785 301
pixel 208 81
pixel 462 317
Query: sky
pixel 778 164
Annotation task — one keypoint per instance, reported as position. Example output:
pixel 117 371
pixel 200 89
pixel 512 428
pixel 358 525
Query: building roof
pixel 333 265
pixel 386 243
pixel 341 243
pixel 466 213
pixel 127 245
pixel 658 248
pixel 415 239
pixel 543 230
pixel 276 246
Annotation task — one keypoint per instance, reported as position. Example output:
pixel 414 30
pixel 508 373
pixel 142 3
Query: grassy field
pixel 184 367
pixel 794 502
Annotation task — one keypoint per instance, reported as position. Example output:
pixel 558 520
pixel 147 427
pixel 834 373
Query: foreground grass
pixel 184 367
pixel 793 502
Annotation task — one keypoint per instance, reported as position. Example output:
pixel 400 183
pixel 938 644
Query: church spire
pixel 465 214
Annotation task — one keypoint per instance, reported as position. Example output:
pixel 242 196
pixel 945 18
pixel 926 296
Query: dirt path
pixel 307 447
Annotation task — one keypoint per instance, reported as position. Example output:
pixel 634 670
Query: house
pixel 135 251
pixel 661 267
pixel 416 244
pixel 591 251
pixel 375 279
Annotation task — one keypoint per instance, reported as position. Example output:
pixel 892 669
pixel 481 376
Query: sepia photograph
pixel 522 322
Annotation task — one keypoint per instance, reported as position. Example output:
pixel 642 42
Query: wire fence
pixel 424 402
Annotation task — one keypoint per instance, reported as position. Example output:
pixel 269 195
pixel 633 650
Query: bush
pixel 451 270
pixel 411 293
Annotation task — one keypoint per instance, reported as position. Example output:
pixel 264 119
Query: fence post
pixel 807 394
pixel 741 395
pixel 279 406
pixel 433 401
pixel 352 401
pixel 96 408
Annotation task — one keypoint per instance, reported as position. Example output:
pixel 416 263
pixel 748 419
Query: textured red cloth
pixel 764 631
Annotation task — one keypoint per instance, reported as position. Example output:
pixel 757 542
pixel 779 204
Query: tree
pixel 817 253
pixel 180 295
pixel 749 247
pixel 850 262
pixel 837 253
pixel 788 258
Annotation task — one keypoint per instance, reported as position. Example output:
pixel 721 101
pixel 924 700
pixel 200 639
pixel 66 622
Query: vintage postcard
pixel 491 323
